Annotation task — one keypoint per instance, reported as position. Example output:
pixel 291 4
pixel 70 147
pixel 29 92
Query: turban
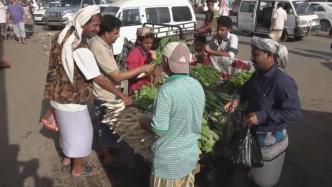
pixel 278 50
pixel 80 19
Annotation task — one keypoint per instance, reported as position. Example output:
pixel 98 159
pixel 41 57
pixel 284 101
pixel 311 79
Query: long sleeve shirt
pixel 273 96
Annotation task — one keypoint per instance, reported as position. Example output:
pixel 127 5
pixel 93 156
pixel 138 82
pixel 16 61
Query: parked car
pixel 38 15
pixel 56 17
pixel 324 12
pixel 255 17
pixel 177 13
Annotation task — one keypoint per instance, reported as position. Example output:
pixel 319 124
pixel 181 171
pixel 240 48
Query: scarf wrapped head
pixel 80 19
pixel 278 50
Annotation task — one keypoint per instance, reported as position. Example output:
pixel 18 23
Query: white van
pixel 255 17
pixel 134 14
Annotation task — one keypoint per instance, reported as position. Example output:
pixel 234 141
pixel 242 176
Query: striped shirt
pixel 177 117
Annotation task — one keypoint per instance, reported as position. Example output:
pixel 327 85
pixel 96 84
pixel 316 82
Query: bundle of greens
pixel 236 81
pixel 206 75
pixel 144 97
pixel 208 138
pixel 159 51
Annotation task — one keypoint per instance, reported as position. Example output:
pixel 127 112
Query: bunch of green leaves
pixel 208 138
pixel 144 97
pixel 159 50
pixel 236 81
pixel 206 75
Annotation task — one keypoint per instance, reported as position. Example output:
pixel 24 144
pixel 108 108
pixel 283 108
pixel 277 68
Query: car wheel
pixel 325 26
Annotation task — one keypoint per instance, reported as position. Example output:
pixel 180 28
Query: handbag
pixel 49 122
pixel 247 153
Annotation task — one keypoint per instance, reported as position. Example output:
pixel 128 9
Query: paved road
pixel 28 156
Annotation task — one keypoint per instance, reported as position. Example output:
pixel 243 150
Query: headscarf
pixel 80 19
pixel 278 50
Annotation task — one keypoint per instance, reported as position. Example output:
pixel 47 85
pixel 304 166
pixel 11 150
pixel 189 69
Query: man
pixel 279 18
pixel 206 28
pixel 16 12
pixel 222 48
pixel 177 117
pixel 72 69
pixel 273 101
pixel 100 46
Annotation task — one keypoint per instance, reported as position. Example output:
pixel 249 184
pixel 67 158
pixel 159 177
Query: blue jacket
pixel 273 95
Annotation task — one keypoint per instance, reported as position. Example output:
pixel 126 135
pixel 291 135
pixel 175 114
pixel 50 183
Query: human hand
pixel 145 122
pixel 153 54
pixel 231 105
pixel 251 119
pixel 127 100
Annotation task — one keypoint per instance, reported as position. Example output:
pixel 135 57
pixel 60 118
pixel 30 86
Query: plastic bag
pixel 49 122
pixel 247 153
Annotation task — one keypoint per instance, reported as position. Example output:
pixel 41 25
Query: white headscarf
pixel 80 19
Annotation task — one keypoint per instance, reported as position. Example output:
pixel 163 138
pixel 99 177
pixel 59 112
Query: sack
pixel 49 121
pixel 247 153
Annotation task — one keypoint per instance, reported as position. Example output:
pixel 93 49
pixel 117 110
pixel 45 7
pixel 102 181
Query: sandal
pixel 88 171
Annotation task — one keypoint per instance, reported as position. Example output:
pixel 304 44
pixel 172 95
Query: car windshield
pixel 70 3
pixel 111 10
pixel 302 7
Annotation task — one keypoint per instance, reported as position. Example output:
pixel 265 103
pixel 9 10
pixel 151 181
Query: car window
pixel 302 7
pixel 247 6
pixel 181 13
pixel 111 10
pixel 157 15
pixel 131 17
pixel 68 3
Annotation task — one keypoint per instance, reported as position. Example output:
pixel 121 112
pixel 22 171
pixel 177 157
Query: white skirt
pixel 76 132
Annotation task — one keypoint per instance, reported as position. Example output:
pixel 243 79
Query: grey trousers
pixel 268 175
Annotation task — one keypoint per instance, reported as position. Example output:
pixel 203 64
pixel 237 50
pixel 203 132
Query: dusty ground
pixel 29 158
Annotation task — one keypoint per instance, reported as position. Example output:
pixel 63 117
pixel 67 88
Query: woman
pixel 140 55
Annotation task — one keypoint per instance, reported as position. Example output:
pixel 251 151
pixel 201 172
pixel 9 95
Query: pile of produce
pixel 125 122
pixel 206 75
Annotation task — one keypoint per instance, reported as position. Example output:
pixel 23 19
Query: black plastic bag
pixel 247 153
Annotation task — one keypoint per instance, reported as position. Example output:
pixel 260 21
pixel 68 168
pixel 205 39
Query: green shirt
pixel 177 116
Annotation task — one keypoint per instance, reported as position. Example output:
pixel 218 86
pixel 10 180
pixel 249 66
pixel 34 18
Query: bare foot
pixel 66 161
pixel 87 171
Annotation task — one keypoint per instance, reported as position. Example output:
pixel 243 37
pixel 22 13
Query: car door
pixel 131 20
pixel 247 16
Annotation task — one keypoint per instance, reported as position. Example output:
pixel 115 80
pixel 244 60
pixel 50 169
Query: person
pixel 71 73
pixel 100 46
pixel 16 12
pixel 3 21
pixel 279 19
pixel 273 101
pixel 198 49
pixel 223 47
pixel 27 17
pixel 206 28
pixel 176 119
pixel 140 55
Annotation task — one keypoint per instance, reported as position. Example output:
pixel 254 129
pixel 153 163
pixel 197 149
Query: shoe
pixel 88 171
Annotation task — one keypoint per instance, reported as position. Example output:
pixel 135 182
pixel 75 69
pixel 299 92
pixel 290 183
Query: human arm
pixel 288 104
pixel 230 52
pixel 119 76
pixel 161 113
pixel 85 61
pixel 107 85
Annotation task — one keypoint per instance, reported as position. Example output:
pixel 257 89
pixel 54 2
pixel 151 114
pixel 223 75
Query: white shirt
pixel 87 64
pixel 280 16
pixel 2 13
